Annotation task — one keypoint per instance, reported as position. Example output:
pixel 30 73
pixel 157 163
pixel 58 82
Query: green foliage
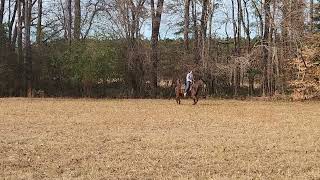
pixel 252 72
pixel 90 61
pixel 61 70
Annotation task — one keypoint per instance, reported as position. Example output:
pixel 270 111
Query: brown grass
pixel 157 139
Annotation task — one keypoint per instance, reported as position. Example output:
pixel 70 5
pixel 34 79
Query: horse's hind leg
pixel 178 100
pixel 197 99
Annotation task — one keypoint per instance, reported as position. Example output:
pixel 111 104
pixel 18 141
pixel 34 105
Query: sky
pixel 221 22
pixel 168 26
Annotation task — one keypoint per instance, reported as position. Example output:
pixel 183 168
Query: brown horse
pixel 194 91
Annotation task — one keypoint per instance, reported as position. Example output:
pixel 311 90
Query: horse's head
pixel 201 81
pixel 178 82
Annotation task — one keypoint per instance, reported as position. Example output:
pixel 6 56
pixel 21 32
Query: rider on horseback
pixel 189 80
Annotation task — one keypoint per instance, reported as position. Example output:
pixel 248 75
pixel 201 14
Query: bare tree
pixel 246 25
pixel 156 20
pixel 186 23
pixel 2 3
pixel 11 20
pixel 89 18
pixel 69 26
pixel 39 25
pixel 203 32
pixel 19 42
pixel 195 32
pixel 235 28
pixel 211 10
pixel 28 60
pixel 77 20
pixel 259 14
pixel 2 39
pixel 237 75
pixel 266 35
pixel 126 20
pixel 240 19
pixel 311 15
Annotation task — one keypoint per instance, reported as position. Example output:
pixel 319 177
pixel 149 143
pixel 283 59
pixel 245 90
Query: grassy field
pixel 157 139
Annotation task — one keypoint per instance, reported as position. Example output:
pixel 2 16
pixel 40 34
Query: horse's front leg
pixel 178 98
pixel 194 100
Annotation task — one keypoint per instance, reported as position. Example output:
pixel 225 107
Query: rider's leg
pixel 187 88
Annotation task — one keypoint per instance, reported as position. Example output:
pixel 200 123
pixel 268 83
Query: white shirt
pixel 189 77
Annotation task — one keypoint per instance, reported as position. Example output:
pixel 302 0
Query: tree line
pixel 99 48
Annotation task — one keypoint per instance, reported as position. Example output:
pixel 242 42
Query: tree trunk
pixel 259 16
pixel 284 43
pixel 64 8
pixel 131 14
pixel 251 84
pixel 237 75
pixel 266 35
pixel 11 22
pixel 270 72
pixel 14 37
pixel 195 31
pixel 9 11
pixel 235 44
pixel 311 15
pixel 235 29
pixel 212 6
pixel 20 52
pixel 1 21
pixel 2 2
pixel 203 33
pixel 204 19
pixel 28 60
pixel 69 29
pixel 77 20
pixel 240 19
pixel 210 24
pixel 186 23
pixel 247 27
pixel 39 26
pixel 156 20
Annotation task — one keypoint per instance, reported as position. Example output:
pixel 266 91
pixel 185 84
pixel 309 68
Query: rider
pixel 189 80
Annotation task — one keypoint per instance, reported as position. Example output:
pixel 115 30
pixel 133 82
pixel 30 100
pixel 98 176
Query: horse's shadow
pixel 201 104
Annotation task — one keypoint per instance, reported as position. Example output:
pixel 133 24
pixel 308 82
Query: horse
pixel 193 93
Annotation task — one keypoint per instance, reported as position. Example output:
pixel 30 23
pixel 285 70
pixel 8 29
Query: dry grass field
pixel 157 139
